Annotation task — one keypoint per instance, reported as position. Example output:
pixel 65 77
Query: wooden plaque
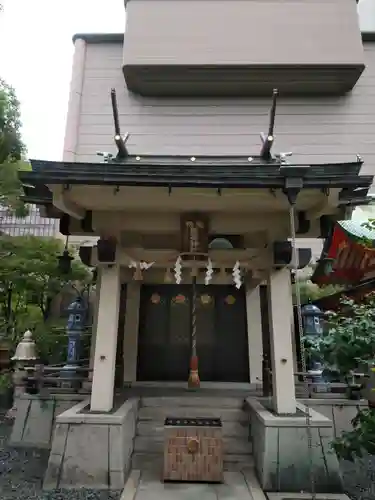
pixel 194 233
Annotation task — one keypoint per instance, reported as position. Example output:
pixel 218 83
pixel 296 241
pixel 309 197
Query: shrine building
pixel 207 147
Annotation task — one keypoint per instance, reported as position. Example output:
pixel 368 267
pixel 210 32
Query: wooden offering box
pixel 193 450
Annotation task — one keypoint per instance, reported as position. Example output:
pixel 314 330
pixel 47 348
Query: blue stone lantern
pixel 312 320
pixel 77 318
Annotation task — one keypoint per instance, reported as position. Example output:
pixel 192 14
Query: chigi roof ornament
pixel 268 140
pixel 120 141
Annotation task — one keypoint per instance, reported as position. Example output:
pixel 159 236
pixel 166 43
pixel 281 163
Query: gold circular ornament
pixel 205 299
pixel 179 299
pixel 193 445
pixel 155 298
pixel 230 300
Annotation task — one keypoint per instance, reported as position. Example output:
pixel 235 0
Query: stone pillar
pixel 131 331
pixel 254 332
pixel 106 340
pixel 280 306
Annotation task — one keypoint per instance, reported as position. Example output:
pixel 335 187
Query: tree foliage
pixel 30 277
pixel 12 150
pixel 347 345
pixel 349 340
pixel 308 290
pixel 360 440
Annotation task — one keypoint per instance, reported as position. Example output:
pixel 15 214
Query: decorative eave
pixel 349 251
pixel 356 293
pixel 207 171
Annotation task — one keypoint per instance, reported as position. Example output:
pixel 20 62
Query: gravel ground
pixel 22 471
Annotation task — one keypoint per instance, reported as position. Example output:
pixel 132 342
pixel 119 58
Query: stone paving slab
pixel 150 487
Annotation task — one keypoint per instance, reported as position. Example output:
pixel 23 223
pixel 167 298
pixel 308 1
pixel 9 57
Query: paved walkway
pixel 148 486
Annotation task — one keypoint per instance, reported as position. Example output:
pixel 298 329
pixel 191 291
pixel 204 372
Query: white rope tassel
pixel 178 270
pixel 209 272
pixel 237 275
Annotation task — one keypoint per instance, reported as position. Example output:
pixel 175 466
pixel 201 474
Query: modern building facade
pixel 193 210
pixel 33 224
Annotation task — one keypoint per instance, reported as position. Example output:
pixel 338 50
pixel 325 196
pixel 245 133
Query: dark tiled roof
pixel 181 171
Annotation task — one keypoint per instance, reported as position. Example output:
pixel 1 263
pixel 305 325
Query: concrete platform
pixel 306 496
pixel 92 450
pixel 35 418
pixel 281 452
pixel 148 486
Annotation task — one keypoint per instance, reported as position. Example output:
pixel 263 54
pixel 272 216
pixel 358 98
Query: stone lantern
pixel 26 350
pixel 312 320
pixel 78 311
pixel 24 358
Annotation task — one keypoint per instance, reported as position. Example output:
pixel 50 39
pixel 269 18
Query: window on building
pixel 32 224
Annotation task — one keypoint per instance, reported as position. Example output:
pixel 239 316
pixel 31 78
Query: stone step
pixel 231 445
pixel 158 414
pixel 194 401
pixel 235 429
pixel 144 461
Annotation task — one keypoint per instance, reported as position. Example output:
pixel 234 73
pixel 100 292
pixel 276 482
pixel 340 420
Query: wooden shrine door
pixel 164 342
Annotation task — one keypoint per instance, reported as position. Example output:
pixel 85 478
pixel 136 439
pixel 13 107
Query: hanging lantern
pixel 65 262
pixel 106 250
pixel 94 275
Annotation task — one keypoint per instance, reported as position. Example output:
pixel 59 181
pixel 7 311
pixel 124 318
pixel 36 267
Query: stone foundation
pixel 306 496
pixel 340 411
pixel 92 450
pixel 281 453
pixel 35 418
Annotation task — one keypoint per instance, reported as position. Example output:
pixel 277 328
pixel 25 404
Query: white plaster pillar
pixel 95 322
pixel 131 328
pixel 106 340
pixel 280 307
pixel 254 333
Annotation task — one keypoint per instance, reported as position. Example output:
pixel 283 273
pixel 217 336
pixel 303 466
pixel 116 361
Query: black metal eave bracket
pixel 293 181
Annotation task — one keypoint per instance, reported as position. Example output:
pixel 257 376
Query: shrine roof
pixel 204 171
pixel 349 253
pixel 358 231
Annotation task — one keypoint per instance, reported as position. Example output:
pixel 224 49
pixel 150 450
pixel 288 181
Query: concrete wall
pixel 315 129
pixel 242 32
